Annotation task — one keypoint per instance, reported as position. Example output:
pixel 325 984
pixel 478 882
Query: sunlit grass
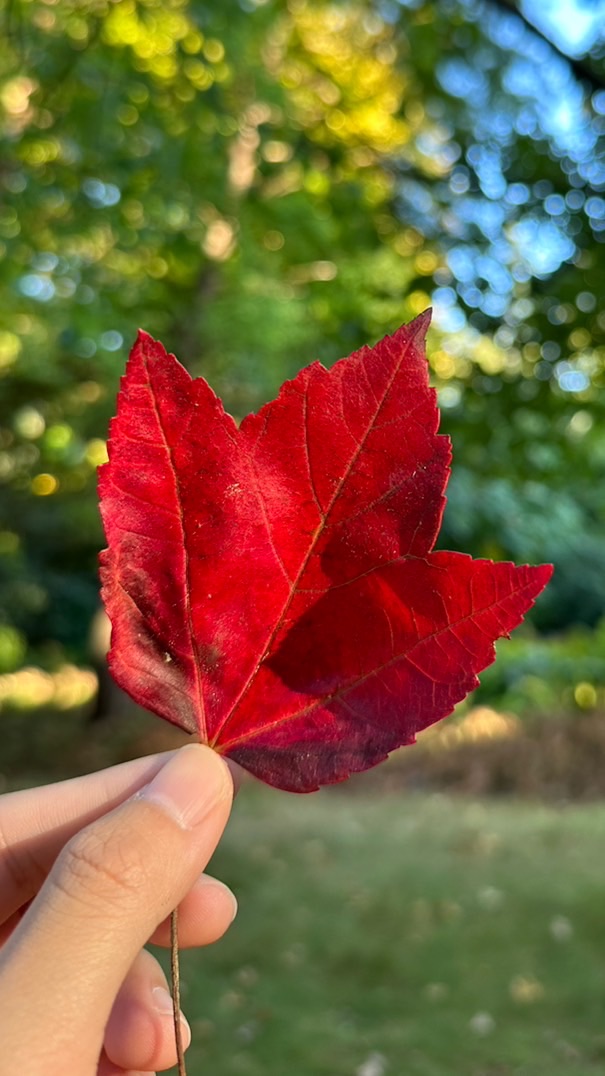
pixel 31 687
pixel 413 936
pixel 478 724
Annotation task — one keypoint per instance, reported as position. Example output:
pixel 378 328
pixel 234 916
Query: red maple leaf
pixel 273 588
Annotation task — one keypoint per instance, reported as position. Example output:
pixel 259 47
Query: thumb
pixel 111 886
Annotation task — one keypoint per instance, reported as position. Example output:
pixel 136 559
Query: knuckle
pixel 96 864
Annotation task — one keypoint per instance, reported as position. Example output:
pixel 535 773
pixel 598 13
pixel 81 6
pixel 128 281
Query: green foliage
pixel 549 676
pixel 12 648
pixel 498 517
pixel 261 184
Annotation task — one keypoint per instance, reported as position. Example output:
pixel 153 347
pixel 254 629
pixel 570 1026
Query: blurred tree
pixel 264 183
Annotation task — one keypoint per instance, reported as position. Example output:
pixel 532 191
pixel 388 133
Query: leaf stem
pixel 175 982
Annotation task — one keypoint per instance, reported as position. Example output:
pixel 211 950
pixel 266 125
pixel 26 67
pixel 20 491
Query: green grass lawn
pixel 410 936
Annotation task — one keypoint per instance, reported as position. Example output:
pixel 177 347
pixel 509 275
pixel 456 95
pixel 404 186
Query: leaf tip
pixel 539 576
pixel 547 572
pixel 148 347
pixel 413 333
pixel 423 321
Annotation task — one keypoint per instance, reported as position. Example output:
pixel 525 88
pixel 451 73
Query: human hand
pixel 104 859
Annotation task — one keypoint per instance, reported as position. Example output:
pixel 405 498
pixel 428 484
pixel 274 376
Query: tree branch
pixel 582 69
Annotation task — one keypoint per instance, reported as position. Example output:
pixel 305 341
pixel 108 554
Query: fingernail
pixel 191 783
pixel 206 880
pixel 163 1004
